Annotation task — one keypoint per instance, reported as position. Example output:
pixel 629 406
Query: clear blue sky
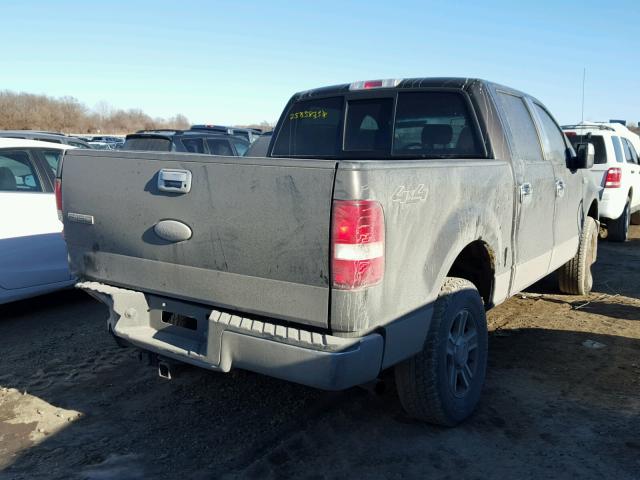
pixel 238 62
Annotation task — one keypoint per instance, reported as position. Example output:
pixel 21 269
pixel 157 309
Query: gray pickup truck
pixel 385 219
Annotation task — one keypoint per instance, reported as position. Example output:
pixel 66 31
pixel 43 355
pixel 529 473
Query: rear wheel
pixel 442 383
pixel 575 276
pixel 618 229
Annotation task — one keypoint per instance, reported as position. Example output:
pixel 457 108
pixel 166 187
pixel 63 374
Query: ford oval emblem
pixel 172 231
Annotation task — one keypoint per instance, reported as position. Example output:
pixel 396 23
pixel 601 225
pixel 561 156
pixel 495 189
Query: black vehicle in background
pixel 249 134
pixel 211 143
pixel 51 137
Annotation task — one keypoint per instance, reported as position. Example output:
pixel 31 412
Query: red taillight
pixel 614 178
pixel 58 189
pixel 357 243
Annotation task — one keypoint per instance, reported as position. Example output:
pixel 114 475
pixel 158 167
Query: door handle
pixel 526 192
pixel 173 180
pixel 560 188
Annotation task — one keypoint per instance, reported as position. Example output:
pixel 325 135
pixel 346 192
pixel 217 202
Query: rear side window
pixel 50 140
pixel 17 173
pixel 523 131
pixel 241 145
pixel 79 145
pixel 598 145
pixel 311 128
pixel 219 146
pixel 193 145
pixel 149 144
pixel 634 154
pixel 552 137
pixel 434 124
pixel 369 125
pixel 53 159
pixel 617 148
pixel 629 152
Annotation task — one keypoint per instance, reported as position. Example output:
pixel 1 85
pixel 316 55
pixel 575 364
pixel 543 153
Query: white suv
pixel 616 170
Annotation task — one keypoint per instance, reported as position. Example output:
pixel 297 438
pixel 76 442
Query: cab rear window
pixel 428 124
pixel 311 128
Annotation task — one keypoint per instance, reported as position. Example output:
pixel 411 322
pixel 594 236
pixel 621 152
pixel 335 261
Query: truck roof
pixel 405 84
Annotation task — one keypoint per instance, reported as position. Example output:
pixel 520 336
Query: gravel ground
pixel 561 401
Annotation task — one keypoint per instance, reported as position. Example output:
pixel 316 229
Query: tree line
pixel 27 111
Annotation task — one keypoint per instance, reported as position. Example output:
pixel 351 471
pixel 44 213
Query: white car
pixel 616 170
pixel 33 254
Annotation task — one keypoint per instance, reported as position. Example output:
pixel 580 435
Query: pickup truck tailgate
pixel 256 237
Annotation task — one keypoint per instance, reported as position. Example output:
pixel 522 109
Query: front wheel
pixel 575 276
pixel 618 229
pixel 442 383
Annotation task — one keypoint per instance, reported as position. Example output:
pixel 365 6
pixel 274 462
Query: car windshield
pixel 596 140
pixel 427 124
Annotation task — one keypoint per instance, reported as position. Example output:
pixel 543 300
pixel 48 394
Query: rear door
pixel 535 193
pixel 250 234
pixel 631 157
pixel 568 189
pixel 32 249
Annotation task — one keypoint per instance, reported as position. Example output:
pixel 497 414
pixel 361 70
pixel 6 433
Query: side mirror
pixel 584 157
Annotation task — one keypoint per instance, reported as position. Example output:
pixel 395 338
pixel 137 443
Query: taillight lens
pixel 614 178
pixel 58 190
pixel 357 242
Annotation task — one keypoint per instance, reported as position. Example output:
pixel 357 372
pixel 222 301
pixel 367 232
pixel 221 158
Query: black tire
pixel 434 385
pixel 618 229
pixel 575 276
pixel 635 218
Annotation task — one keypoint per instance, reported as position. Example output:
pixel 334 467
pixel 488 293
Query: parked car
pixel 616 170
pixel 387 216
pixel 186 141
pixel 102 145
pixel 33 255
pixel 51 137
pixel 249 134
pixel 260 147
pixel 107 139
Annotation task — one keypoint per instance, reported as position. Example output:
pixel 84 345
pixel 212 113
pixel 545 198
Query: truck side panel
pixel 433 210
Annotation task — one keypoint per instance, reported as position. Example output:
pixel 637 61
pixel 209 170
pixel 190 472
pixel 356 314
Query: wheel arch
pixel 476 262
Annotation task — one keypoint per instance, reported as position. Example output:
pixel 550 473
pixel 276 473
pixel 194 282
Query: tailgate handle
pixel 172 180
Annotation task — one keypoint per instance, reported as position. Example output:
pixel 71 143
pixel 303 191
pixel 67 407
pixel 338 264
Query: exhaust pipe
pixel 165 370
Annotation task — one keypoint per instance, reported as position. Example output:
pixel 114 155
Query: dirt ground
pixel 561 401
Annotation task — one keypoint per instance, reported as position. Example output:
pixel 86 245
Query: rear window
pixel 150 144
pixel 311 128
pixel 432 124
pixel 219 146
pixel 369 124
pixel 193 145
pixel 598 144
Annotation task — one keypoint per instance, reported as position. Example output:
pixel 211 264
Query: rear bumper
pixel 222 341
pixel 612 203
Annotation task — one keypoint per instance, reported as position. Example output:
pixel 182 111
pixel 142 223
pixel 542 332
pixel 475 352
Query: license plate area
pixel 178 318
